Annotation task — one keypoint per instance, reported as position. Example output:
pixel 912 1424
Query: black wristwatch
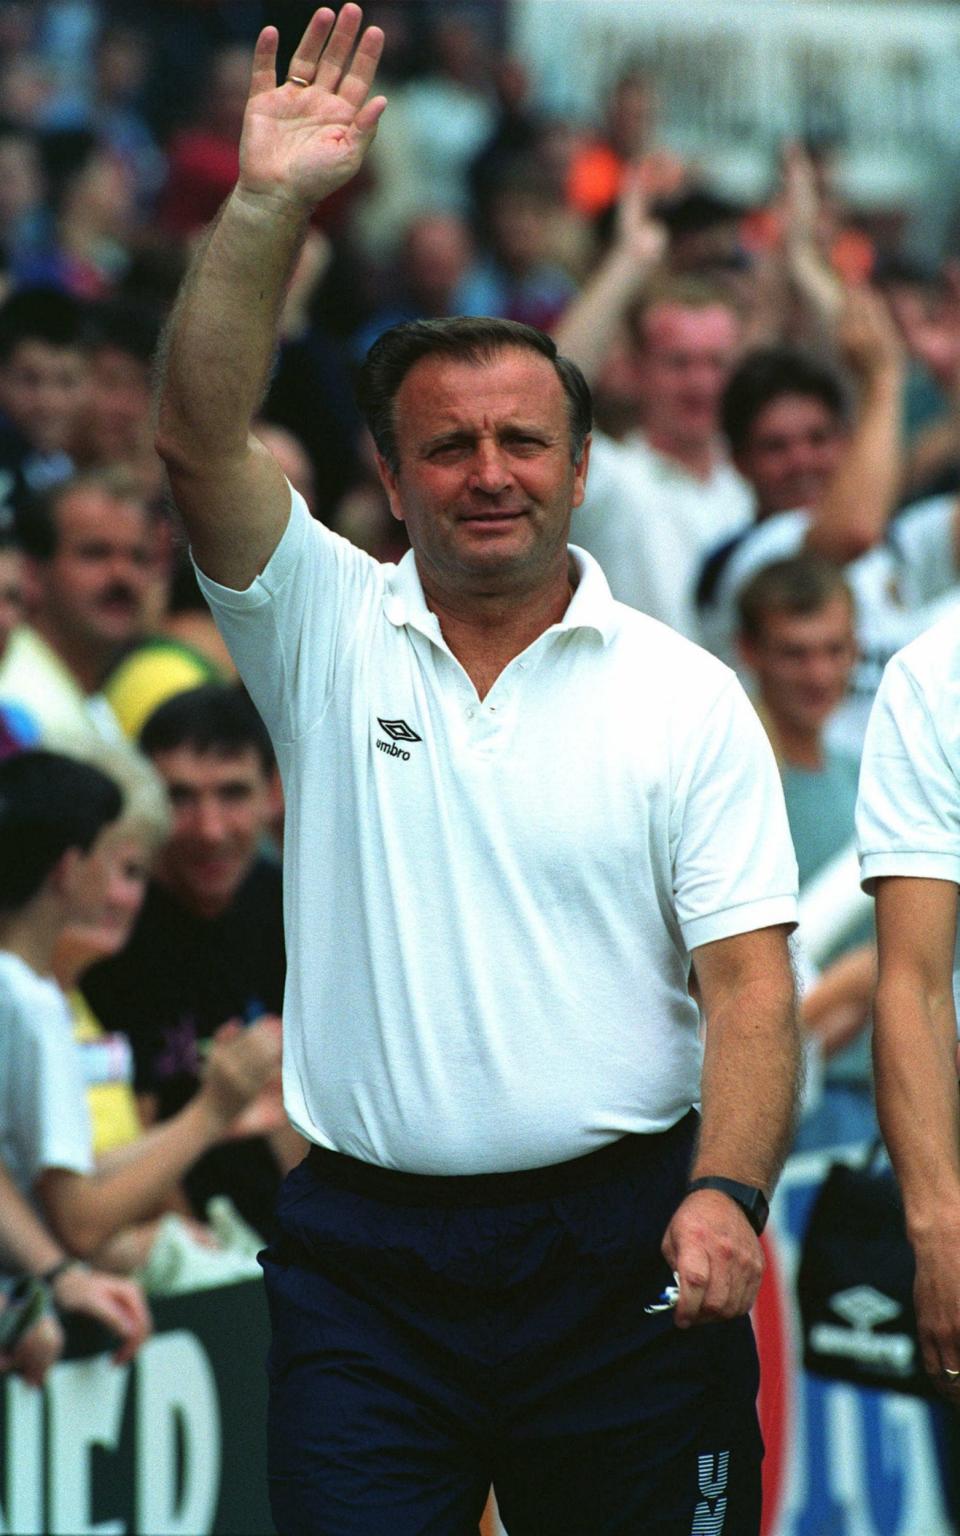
pixel 752 1201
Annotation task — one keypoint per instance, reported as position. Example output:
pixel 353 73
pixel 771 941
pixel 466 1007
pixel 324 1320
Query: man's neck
pixel 799 748
pixel 699 458
pixel 88 665
pixel 485 631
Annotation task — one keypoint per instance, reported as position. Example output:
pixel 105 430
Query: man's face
pixel 221 810
pixel 485 482
pixel 802 663
pixel 791 453
pixel 11 594
pixel 685 360
pixel 115 422
pixel 94 588
pixel 42 390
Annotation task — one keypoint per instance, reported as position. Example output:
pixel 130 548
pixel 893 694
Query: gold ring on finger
pixel 297 80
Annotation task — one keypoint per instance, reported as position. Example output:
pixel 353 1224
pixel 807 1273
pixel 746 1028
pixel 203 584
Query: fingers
pixel 717 1258
pixel 355 84
pixel 333 61
pixel 263 75
pixel 307 54
pixel 325 57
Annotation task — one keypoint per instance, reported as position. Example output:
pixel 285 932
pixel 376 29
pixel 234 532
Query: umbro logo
pixel 397 730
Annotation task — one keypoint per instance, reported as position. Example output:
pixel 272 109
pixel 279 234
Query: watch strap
pixel 751 1200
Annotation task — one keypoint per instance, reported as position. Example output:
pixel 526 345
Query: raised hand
pixel 637 231
pixel 306 137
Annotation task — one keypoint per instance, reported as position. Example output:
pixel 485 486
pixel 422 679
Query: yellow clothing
pixel 107 1064
pixel 150 675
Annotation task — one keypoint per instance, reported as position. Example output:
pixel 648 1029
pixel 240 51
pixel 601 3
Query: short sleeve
pixel 734 864
pixel 49 1119
pixel 286 632
pixel 908 805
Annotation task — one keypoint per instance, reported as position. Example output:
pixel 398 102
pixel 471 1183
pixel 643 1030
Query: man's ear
pixel 63 877
pixel 580 472
pixel 388 479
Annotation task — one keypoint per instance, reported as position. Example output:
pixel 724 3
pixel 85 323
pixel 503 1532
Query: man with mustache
pixel 89 565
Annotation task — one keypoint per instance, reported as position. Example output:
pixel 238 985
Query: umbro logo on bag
pixel 864 1310
pixel 397 730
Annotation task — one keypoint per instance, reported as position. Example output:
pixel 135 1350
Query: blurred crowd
pixel 774 473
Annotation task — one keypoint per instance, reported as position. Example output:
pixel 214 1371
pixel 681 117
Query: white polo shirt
pixel 490 906
pixel 908 809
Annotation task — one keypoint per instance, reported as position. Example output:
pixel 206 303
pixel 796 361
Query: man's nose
pixel 490 471
pixel 209 821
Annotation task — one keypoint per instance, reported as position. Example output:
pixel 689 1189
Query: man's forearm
pixel 220 342
pixel 25 1243
pixel 750 1085
pixel 918 1103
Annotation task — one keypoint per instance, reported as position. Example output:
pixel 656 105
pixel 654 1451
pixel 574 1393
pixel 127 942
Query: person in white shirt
pixel 512 810
pixel 826 481
pixel 662 496
pixel 908 827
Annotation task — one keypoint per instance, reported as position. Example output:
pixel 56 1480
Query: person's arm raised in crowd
pixel 914 1052
pixel 853 514
pixel 588 326
pixel 750 1079
pixel 86 1209
pixel 299 144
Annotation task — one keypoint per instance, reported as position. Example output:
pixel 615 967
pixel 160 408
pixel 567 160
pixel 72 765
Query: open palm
pixel 302 141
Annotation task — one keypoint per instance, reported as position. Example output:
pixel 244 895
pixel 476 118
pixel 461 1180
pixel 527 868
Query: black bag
pixel 855 1282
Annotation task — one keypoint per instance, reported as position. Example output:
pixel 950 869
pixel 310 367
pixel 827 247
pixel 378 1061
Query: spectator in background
pixel 28 1248
pixel 627 143
pixel 515 277
pixel 908 830
pixel 660 498
pixel 82 243
pixel 424 279
pixel 447 113
pixel 90 548
pixel 21 191
pixel 53 866
pixel 113 425
pixel 204 158
pixel 214 903
pixel 797 640
pixel 787 423
pixel 43 381
pixel 18 726
pixel 105 102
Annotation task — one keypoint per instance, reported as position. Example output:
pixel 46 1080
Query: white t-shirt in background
pixel 650 523
pixel 908 809
pixel 44 1120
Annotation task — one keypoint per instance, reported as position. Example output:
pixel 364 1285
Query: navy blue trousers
pixel 432 1336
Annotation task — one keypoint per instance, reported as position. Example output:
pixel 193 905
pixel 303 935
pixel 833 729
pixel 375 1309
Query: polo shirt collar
pixel 591 607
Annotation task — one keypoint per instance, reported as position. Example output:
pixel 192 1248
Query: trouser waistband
pixel 629 1153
